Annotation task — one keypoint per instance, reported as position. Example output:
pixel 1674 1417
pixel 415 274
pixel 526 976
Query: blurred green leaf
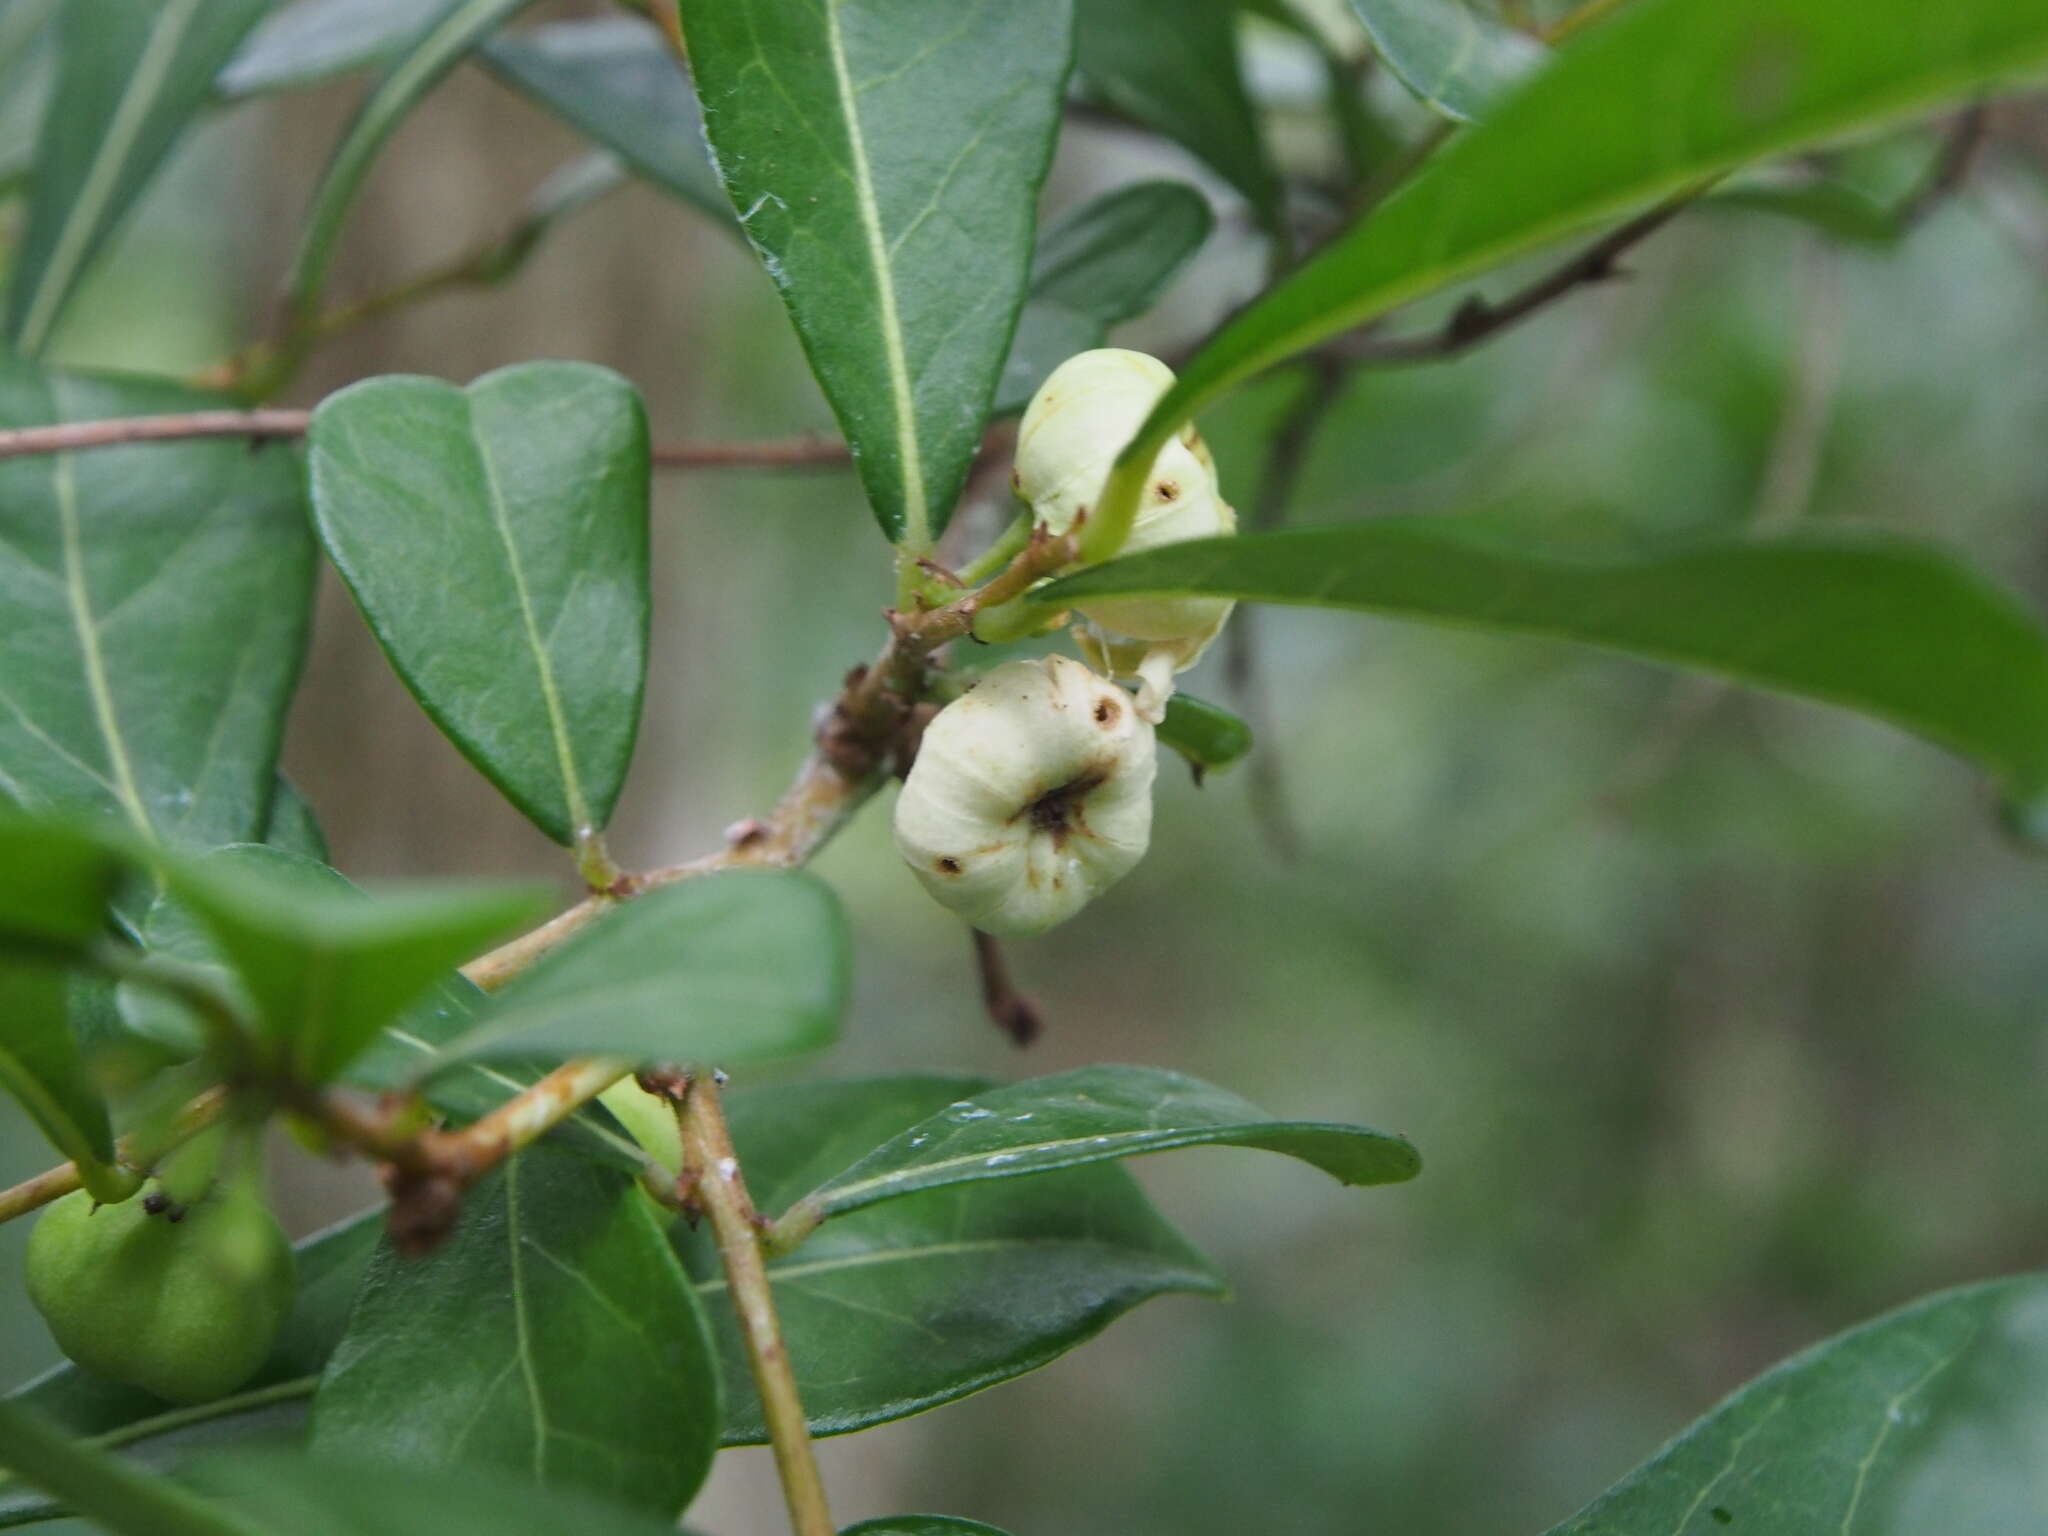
pixel 40 1065
pixel 616 80
pixel 1094 1114
pixel 1597 135
pixel 1208 736
pixel 1934 1418
pixel 313 41
pixel 1880 624
pixel 417 65
pixel 554 1335
pixel 1103 263
pixel 131 76
pixel 60 879
pixel 920 1525
pixel 292 826
pixel 28 49
pixel 157 598
pixel 327 970
pixel 922 1300
pixel 885 160
pixel 342 1496
pixel 749 965
pixel 531 487
pixel 119 1498
pixel 1173 65
pixel 1452 55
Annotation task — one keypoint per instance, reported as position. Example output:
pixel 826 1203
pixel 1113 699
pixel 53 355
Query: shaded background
pixel 1716 1017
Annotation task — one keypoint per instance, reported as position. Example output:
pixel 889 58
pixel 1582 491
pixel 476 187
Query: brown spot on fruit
pixel 1057 812
pixel 1167 490
pixel 949 866
pixel 1106 712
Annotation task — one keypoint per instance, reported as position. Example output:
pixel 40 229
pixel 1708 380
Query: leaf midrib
pixel 69 250
pixel 90 657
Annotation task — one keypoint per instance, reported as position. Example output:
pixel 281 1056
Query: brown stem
pixel 55 1183
pixel 1013 1013
pixel 712 1171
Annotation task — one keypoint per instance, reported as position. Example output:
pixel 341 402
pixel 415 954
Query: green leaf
pixel 327 970
pixel 119 1498
pixel 1880 624
pixel 338 1496
pixel 1103 263
pixel 553 1335
pixel 131 76
pixel 1091 1115
pixel 923 1300
pixel 749 965
pixel 530 487
pixel 417 66
pixel 60 880
pixel 1452 55
pixel 1596 135
pixel 1933 1418
pixel 616 80
pixel 314 41
pixel 330 1266
pixel 41 1068
pixel 885 157
pixel 27 62
pixel 1209 737
pixel 157 597
pixel 291 825
pixel 1173 65
pixel 920 1525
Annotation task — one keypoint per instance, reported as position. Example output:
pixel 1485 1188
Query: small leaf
pixel 41 1068
pixel 926 1299
pixel 1595 136
pixel 1209 737
pixel 1933 1418
pixel 553 1335
pixel 885 160
pixel 1173 65
pixel 531 487
pixel 342 1496
pixel 1452 55
pixel 749 965
pixel 1103 263
pixel 617 80
pixel 920 1525
pixel 1876 623
pixel 131 76
pixel 313 41
pixel 157 597
pixel 418 64
pixel 327 970
pixel 1091 1115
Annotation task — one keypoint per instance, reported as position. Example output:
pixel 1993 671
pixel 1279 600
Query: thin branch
pixel 1951 167
pixel 711 1172
pixel 1012 1012
pixel 1584 15
pixel 55 1183
pixel 809 451
pixel 1478 320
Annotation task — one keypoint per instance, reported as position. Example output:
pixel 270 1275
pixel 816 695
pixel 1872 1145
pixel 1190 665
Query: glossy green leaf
pixel 1103 263
pixel 885 157
pixel 313 41
pixel 616 80
pixel 1173 65
pixel 1934 1418
pixel 327 970
pixel 531 487
pixel 893 1310
pixel 1452 55
pixel 920 1525
pixel 1210 737
pixel 1596 135
pixel 157 597
pixel 1880 624
pixel 340 1496
pixel 330 1266
pixel 749 965
pixel 41 1067
pixel 1091 1115
pixel 131 76
pixel 417 65
pixel 553 1335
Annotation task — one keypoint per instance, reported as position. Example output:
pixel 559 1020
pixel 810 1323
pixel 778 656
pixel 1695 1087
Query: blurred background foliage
pixel 1715 1016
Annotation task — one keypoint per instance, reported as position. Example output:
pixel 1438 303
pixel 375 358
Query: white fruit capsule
pixel 1073 430
pixel 1031 796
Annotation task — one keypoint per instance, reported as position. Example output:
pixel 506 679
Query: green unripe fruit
pixel 185 1309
